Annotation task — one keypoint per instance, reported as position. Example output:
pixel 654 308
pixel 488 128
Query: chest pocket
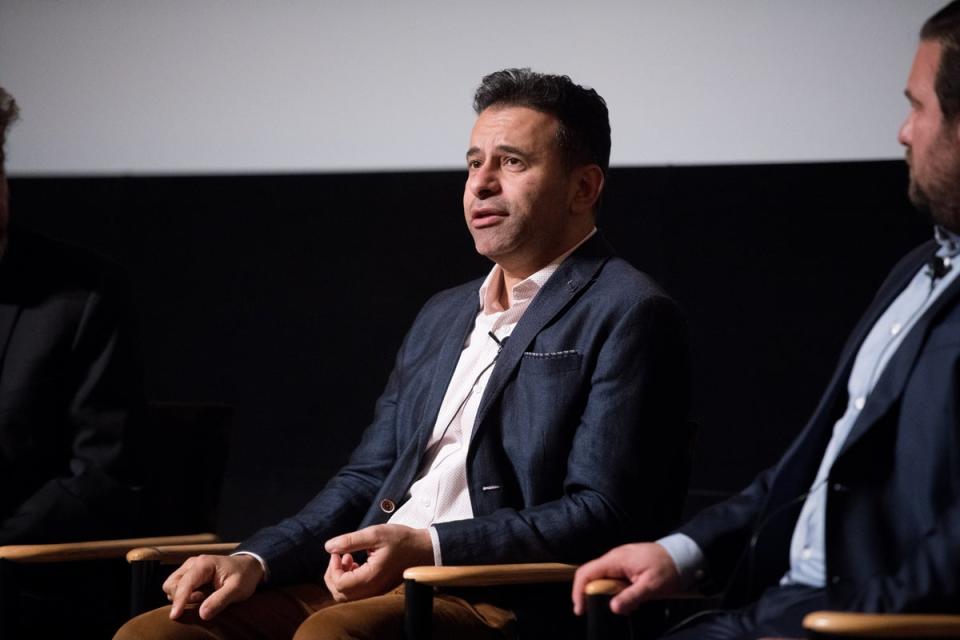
pixel 551 362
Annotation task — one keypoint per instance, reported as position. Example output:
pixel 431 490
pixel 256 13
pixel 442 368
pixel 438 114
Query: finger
pixel 346 562
pixel 330 578
pixel 335 566
pixel 359 578
pixel 199 575
pixel 227 594
pixel 356 541
pixel 631 597
pixel 602 567
pixel 170 584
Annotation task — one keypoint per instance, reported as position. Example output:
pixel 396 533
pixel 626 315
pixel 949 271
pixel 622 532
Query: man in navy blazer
pixel 862 513
pixel 513 424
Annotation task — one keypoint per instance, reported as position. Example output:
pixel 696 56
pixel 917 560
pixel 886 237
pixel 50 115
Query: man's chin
pixel 943 216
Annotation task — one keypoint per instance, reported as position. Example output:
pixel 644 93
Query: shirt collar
pixel 948 240
pixel 526 289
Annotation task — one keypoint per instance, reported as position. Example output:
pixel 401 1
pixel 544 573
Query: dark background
pixel 287 296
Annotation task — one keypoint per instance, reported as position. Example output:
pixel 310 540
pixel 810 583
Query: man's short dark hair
pixel 8 114
pixel 944 27
pixel 584 131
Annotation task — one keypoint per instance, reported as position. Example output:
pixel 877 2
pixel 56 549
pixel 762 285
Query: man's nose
pixel 484 181
pixel 906 130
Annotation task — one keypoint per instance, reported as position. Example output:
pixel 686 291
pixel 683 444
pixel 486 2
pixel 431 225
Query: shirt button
pixel 387 506
pixel 426 502
pixel 807 553
pixel 859 402
pixel 895 329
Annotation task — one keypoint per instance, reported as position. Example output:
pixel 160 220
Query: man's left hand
pixel 390 548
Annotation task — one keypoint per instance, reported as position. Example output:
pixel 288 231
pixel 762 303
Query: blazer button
pixel 387 506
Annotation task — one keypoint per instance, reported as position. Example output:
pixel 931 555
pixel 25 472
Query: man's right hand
pixel 647 566
pixel 231 578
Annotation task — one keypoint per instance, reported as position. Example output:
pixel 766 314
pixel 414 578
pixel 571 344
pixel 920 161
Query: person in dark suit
pixel 862 512
pixel 511 425
pixel 70 387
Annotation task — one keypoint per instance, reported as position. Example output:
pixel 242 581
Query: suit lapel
pixel 884 298
pixel 894 377
pixel 447 361
pixel 575 273
pixel 8 318
pixel 10 301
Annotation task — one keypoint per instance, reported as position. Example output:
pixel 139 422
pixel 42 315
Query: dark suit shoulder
pixel 39 266
pixel 633 283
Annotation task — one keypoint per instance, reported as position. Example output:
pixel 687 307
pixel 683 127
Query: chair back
pixel 184 453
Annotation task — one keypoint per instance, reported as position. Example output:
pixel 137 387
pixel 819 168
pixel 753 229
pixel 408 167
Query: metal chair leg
pixel 144 587
pixel 9 599
pixel 602 623
pixel 418 615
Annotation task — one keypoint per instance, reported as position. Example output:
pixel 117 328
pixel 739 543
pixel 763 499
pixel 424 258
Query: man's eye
pixel 473 164
pixel 513 162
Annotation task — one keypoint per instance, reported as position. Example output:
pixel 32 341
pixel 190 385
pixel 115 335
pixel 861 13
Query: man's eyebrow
pixel 505 148
pixel 502 148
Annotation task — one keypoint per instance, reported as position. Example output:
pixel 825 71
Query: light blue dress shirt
pixel 807 554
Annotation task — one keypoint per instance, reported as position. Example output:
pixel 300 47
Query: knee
pixel 343 622
pixel 156 625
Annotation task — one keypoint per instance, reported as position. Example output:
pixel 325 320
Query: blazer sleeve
pixel 621 467
pixel 723 531
pixel 93 495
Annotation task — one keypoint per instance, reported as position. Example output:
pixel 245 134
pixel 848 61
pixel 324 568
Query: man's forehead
pixel 506 123
pixel 926 61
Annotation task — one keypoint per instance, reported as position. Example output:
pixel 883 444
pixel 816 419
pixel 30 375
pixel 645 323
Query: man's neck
pixel 512 276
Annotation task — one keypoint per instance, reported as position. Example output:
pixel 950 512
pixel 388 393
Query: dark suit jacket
pixel 893 504
pixel 583 418
pixel 69 387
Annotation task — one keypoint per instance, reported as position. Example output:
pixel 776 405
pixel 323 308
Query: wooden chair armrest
pixel 176 554
pixel 605 587
pixel 882 625
pixel 92 550
pixel 490 575
pixel 613 586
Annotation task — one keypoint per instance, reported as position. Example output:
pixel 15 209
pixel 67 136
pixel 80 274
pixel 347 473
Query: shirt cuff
pixel 435 539
pixel 263 563
pixel 687 557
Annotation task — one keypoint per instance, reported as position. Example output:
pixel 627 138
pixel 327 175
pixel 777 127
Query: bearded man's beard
pixel 939 196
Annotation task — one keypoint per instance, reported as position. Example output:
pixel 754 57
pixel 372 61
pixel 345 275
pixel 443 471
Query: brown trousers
pixel 307 612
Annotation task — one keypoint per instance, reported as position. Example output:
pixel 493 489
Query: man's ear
pixel 589 182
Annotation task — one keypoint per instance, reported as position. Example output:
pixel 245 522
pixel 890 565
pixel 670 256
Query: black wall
pixel 287 296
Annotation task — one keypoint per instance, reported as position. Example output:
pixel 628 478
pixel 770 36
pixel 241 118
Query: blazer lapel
pixel 884 298
pixel 11 302
pixel 446 364
pixel 894 377
pixel 576 272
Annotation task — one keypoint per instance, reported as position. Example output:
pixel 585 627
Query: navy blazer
pixel 893 499
pixel 578 437
pixel 70 393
